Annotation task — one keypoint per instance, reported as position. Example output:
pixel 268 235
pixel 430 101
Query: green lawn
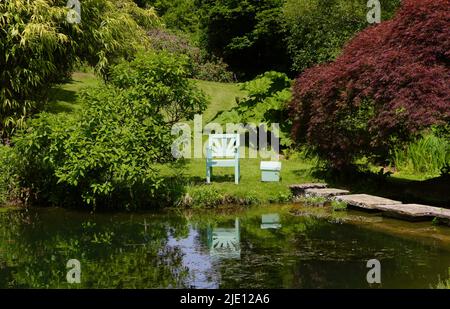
pixel 292 171
pixel 64 97
pixel 222 97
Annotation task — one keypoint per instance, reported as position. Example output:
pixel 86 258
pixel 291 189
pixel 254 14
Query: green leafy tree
pixel 39 48
pixel 247 34
pixel 317 30
pixel 266 102
pixel 176 14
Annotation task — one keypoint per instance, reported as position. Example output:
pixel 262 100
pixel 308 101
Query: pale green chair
pixel 223 151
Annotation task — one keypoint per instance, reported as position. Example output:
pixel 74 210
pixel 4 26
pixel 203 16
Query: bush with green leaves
pixel 39 48
pixel 266 103
pixel 202 65
pixel 111 153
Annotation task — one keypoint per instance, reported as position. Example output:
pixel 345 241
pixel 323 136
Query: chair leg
pixel 208 174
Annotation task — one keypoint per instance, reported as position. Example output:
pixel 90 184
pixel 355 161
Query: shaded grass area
pixel 222 97
pixel 63 98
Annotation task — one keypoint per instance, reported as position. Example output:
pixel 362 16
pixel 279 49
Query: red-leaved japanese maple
pixel 391 82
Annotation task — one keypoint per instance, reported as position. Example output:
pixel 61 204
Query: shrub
pixel 110 155
pixel 391 82
pixel 266 102
pixel 201 65
pixel 159 80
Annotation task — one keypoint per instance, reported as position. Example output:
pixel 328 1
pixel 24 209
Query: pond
pixel 286 246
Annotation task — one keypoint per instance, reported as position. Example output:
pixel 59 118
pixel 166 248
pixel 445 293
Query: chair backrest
pixel 223 145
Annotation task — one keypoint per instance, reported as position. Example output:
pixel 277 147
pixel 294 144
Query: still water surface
pixel 263 247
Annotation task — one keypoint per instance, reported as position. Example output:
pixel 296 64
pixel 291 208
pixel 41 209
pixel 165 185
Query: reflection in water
pixel 270 221
pixel 202 273
pixel 213 249
pixel 225 242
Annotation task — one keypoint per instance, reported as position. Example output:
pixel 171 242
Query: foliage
pixel 201 65
pixel 203 197
pixel 160 79
pixel 337 205
pixel 317 30
pixel 281 198
pixel 110 153
pixel 266 103
pixel 248 35
pixel 426 155
pixel 176 14
pixel 39 48
pixel 312 200
pixel 390 83
pixel 9 189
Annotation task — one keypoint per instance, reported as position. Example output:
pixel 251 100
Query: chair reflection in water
pixel 225 242
pixel 270 221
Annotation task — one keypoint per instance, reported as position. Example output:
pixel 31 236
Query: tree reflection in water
pixel 226 248
pixel 115 254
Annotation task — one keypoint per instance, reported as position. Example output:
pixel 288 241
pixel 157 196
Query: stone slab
pixel 299 189
pixel 326 192
pixel 365 201
pixel 415 211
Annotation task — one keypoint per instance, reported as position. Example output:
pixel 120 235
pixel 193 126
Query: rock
pixel 415 212
pixel 299 189
pixel 327 192
pixel 365 201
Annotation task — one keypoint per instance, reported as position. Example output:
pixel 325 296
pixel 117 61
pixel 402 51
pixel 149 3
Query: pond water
pixel 263 247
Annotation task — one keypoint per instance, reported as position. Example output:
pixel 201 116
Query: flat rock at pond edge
pixel 365 201
pixel 299 189
pixel 415 211
pixel 326 192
